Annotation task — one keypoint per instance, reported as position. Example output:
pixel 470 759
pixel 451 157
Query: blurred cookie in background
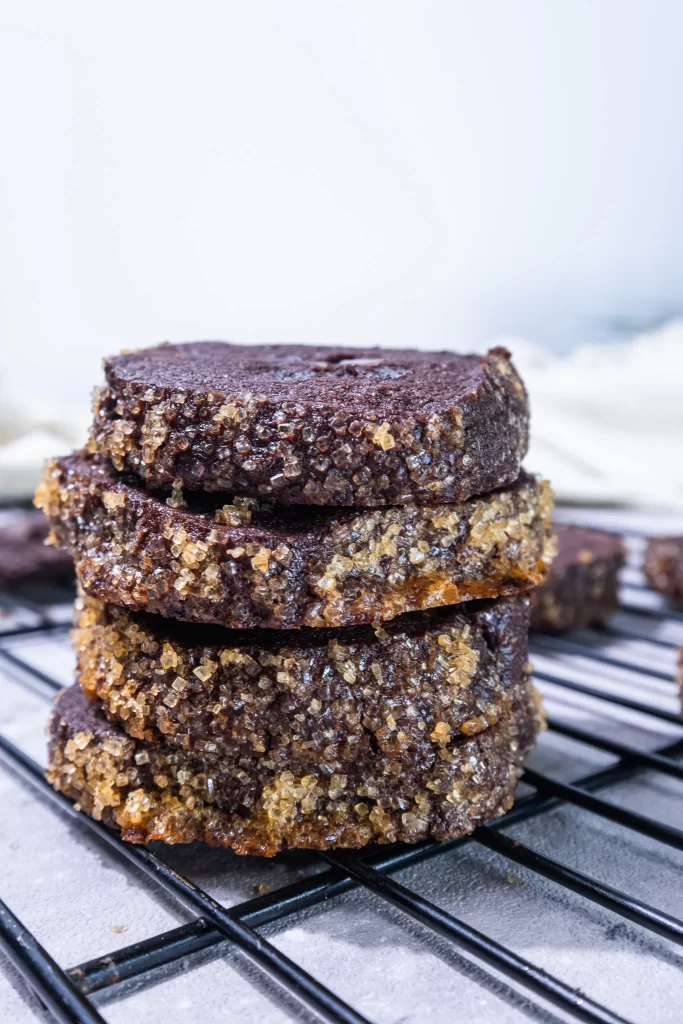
pixel 581 589
pixel 25 559
pixel 663 566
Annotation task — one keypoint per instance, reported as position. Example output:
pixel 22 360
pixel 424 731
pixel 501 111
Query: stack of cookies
pixel 305 592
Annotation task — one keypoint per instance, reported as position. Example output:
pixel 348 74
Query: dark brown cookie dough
pixel 309 695
pixel 241 567
pixel 313 425
pixel 663 566
pixel 581 589
pixel 153 791
pixel 24 558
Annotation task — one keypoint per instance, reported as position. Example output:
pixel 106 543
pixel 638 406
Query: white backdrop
pixel 389 171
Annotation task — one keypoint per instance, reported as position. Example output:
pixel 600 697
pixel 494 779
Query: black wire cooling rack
pixel 67 992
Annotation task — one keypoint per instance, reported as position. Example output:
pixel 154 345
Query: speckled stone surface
pixel 243 564
pixel 315 425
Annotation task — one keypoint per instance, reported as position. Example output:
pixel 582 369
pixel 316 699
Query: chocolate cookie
pixel 314 695
pixel 241 565
pixel 663 566
pixel 24 558
pixel 312 425
pixel 153 791
pixel 581 589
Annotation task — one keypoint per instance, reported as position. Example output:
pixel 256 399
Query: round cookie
pixel 314 425
pixel 241 565
pixel 152 791
pixel 314 695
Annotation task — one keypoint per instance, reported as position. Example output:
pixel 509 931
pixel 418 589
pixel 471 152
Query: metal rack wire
pixel 67 992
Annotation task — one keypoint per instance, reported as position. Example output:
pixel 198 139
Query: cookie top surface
pixel 370 379
pixel 315 425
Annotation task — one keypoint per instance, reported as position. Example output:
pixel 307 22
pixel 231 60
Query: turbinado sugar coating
pixel 152 791
pixel 240 565
pixel 581 589
pixel 314 425
pixel 317 696
pixel 663 566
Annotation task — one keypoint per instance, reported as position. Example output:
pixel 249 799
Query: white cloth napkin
pixel 607 420
pixel 30 434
